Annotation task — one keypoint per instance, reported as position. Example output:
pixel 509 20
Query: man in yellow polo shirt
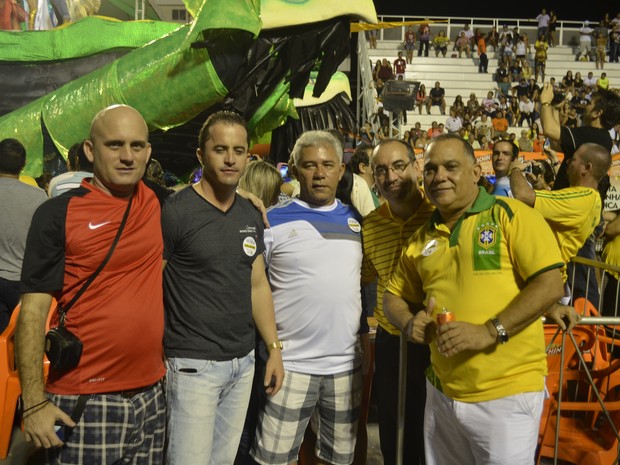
pixel 572 212
pixel 384 232
pixel 494 263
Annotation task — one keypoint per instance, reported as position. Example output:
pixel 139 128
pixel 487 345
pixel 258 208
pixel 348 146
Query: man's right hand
pixel 423 326
pixel 39 425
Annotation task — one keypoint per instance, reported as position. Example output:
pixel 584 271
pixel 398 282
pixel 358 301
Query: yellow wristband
pixel 275 345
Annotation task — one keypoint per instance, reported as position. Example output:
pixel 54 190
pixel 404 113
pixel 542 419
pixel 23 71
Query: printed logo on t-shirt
pixel 354 225
pixel 97 226
pixel 486 247
pixel 429 248
pixel 249 246
pixel 248 229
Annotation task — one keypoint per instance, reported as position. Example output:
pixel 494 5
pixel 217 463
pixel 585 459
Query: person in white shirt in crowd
pixel 585 41
pixel 543 22
pixel 453 122
pixel 589 80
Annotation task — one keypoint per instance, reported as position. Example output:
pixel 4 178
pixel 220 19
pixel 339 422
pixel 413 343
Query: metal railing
pixel 567 31
pixel 366 97
pixel 366 100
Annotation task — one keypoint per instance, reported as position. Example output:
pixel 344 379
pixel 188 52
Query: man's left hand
pixel 457 336
pixel 274 372
pixel 258 204
pixel 565 316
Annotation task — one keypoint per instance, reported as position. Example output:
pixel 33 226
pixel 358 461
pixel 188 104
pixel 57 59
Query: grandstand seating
pixel 459 76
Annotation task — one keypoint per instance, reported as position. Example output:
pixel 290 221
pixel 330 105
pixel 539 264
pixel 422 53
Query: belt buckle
pixel 128 394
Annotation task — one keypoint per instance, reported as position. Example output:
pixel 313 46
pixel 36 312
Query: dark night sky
pixel 579 11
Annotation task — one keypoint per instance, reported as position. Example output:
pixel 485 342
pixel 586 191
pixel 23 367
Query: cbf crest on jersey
pixel 486 247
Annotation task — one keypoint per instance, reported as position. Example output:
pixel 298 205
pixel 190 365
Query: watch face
pixel 502 334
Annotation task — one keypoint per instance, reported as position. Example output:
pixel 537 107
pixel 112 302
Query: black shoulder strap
pixel 63 310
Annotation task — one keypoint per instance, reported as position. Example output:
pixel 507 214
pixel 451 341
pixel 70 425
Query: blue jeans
pixel 207 403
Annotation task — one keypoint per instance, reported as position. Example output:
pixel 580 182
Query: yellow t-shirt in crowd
pixel 572 213
pixel 384 236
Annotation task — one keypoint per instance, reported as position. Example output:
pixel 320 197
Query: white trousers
pixel 497 432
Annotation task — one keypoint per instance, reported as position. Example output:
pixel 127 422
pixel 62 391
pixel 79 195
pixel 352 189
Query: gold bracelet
pixel 546 104
pixel 275 345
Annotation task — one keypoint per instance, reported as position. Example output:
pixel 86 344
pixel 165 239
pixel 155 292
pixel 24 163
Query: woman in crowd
pixel 375 70
pixel 540 57
pixel 484 142
pixel 385 72
pixel 458 105
pixel 415 132
pixel 463 45
pixel 440 43
pixel 534 131
pixel 421 98
pixel 553 20
pixel 521 51
pixel 263 180
pixel 422 141
pixel 526 70
pixel 568 81
pixel 578 84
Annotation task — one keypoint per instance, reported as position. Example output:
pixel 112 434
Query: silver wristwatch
pixel 502 334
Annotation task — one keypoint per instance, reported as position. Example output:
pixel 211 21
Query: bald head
pixel 598 156
pixel 119 149
pixel 116 112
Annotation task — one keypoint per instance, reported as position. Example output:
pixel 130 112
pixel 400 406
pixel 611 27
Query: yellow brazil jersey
pixel 475 270
pixel 384 236
pixel 572 213
pixel 611 254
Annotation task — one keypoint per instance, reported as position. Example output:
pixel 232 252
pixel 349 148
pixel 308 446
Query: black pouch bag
pixel 63 349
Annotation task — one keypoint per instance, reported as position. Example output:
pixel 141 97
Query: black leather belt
pixel 131 392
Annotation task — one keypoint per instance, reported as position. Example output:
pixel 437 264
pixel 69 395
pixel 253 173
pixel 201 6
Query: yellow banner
pixel 357 27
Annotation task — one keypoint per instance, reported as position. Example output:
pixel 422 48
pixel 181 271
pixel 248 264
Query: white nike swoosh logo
pixel 96 226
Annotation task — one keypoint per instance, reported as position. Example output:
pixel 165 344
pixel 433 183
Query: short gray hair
pixel 316 139
pixel 468 150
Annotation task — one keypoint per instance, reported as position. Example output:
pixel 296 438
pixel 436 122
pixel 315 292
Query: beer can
pixel 445 316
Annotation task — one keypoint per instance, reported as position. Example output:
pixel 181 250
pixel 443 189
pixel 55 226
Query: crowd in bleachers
pixel 512 99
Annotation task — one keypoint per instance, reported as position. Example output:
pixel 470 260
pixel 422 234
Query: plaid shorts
pixel 333 403
pixel 114 429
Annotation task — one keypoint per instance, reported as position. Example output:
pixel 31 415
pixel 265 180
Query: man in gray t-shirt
pixel 215 293
pixel 18 201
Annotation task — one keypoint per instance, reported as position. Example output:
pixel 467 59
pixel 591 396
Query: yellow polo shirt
pixel 475 271
pixel 572 213
pixel 611 254
pixel 384 236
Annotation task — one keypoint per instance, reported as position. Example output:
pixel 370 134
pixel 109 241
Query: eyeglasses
pixel 398 168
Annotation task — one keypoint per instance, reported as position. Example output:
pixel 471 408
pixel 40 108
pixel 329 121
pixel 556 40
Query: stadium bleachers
pixel 459 76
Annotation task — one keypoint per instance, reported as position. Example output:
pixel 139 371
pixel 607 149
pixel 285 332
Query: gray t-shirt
pixel 207 280
pixel 18 201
